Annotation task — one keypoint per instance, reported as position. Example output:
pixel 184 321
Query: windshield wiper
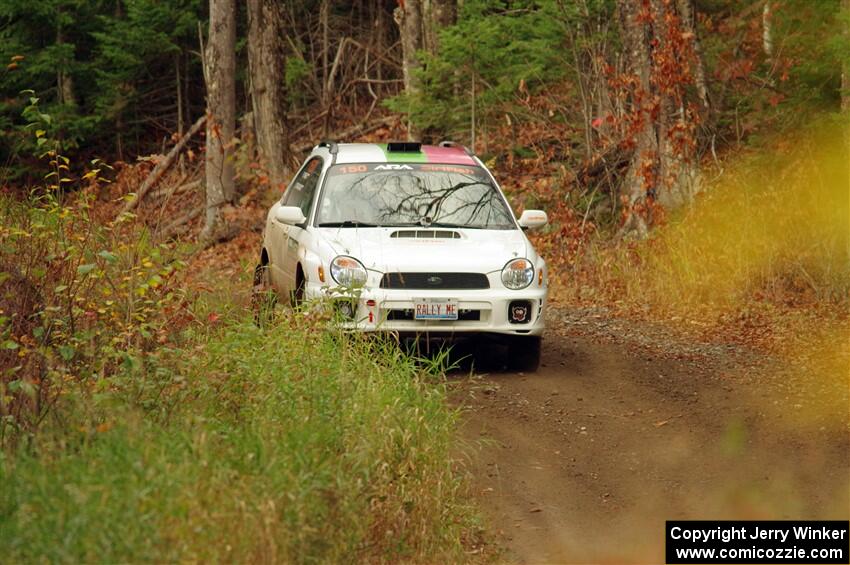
pixel 347 224
pixel 450 225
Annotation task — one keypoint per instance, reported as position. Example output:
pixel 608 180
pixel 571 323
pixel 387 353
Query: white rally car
pixel 415 239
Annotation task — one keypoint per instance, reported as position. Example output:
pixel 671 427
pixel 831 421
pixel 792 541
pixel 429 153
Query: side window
pixel 300 192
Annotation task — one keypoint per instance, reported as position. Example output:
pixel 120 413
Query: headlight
pixel 518 274
pixel 348 271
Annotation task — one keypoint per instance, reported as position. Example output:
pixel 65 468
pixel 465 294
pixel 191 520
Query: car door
pixel 300 193
pixel 275 243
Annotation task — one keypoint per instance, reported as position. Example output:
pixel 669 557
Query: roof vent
pixel 404 147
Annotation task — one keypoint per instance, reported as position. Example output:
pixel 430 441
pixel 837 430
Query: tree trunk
pixel 64 82
pixel 767 29
pixel 444 13
pixel 676 172
pixel 659 124
pixel 408 16
pixel 689 25
pixel 324 10
pixel 221 111
pixel 179 92
pixel 437 15
pixel 642 171
pixel 266 59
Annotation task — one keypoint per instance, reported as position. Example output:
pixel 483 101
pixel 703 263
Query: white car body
pixel 298 254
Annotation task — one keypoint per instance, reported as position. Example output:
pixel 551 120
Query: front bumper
pixel 481 311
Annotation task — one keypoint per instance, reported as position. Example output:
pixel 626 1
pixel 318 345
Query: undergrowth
pixel 138 424
pixel 293 443
pixel 761 258
pixel 772 228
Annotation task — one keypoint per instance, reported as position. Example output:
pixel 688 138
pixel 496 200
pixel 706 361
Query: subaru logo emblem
pixel 434 280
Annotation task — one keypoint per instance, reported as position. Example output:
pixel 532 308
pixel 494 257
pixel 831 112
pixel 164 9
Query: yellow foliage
pixel 761 257
pixel 769 226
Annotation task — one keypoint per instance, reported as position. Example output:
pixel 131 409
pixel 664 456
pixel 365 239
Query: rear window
pixel 412 194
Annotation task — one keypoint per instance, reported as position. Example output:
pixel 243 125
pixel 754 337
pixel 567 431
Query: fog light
pixel 519 312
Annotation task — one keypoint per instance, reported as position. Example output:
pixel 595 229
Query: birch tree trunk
pixel 266 59
pixel 221 112
pixel 767 29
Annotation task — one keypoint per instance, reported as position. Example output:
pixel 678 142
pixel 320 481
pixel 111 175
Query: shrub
pixel 94 296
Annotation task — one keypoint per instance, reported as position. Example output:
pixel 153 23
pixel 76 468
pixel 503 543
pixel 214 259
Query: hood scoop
pixel 426 234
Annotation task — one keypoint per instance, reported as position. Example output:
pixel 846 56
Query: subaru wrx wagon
pixel 416 239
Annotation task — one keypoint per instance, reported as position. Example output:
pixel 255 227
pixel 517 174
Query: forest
pixel 692 156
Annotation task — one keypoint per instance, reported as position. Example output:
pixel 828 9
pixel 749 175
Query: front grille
pixel 424 281
pixel 407 314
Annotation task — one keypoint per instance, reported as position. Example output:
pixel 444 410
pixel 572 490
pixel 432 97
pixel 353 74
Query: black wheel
pixel 524 353
pixel 296 297
pixel 263 298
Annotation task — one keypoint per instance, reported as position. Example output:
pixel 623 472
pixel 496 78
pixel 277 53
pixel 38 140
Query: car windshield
pixel 412 194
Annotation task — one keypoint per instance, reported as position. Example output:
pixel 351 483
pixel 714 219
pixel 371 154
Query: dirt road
pixel 585 459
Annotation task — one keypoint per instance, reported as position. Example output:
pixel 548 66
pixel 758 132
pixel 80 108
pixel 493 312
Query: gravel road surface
pixel 624 427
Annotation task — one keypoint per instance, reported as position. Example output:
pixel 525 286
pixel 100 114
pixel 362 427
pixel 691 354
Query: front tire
pixel 296 297
pixel 524 353
pixel 263 298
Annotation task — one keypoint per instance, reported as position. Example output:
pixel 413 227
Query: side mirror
pixel 533 219
pixel 291 215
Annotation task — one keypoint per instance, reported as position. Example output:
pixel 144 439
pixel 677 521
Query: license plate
pixel 435 309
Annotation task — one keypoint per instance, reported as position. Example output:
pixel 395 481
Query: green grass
pixel 291 443
pixel 143 418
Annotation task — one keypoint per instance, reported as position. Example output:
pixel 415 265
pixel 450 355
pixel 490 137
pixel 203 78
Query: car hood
pixel 475 251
